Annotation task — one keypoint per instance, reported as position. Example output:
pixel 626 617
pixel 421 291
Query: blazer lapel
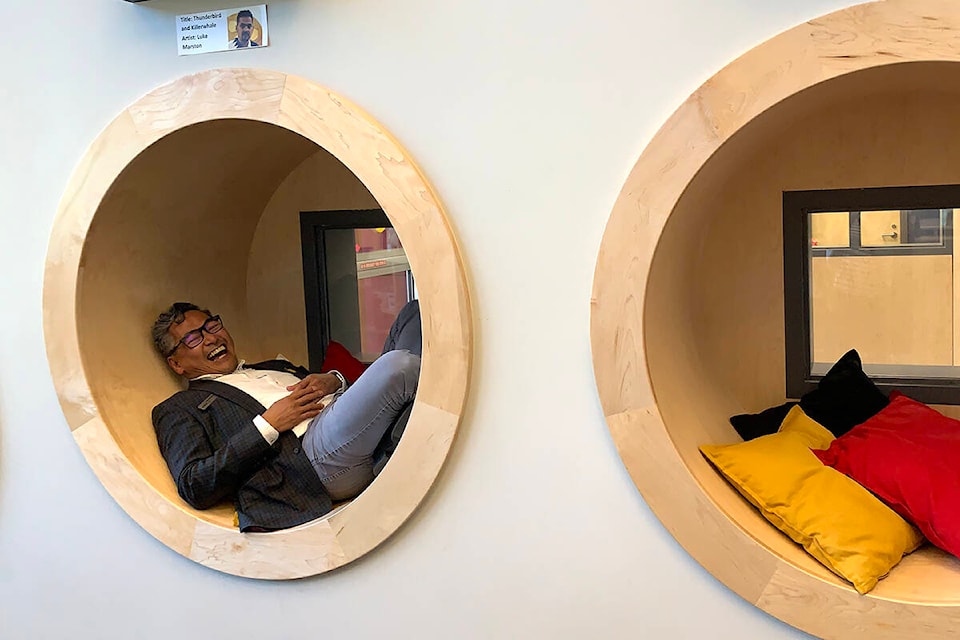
pixel 230 393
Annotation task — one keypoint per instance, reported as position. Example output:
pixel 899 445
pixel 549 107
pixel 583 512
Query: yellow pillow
pixel 837 521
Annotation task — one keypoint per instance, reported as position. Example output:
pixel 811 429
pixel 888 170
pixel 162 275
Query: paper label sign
pixel 222 30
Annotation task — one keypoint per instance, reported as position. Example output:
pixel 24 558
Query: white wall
pixel 527 116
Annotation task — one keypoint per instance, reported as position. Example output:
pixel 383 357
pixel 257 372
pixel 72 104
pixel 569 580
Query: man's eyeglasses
pixel 193 339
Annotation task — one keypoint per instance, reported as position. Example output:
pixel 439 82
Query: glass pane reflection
pixel 884 282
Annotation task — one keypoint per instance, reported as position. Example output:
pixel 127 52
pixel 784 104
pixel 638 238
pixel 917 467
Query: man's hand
pixel 325 382
pixel 302 404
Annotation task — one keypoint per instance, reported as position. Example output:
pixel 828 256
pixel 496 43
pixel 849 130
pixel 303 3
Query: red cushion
pixel 339 358
pixel 908 455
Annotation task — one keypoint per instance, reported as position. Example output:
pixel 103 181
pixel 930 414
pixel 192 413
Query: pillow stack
pixel 845 470
pixel 909 456
pixel 835 519
pixel 844 398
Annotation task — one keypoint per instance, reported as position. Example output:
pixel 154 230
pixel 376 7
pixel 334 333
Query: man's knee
pixel 402 368
pixel 406 333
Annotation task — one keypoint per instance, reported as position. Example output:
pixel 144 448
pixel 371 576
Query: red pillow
pixel 909 456
pixel 339 358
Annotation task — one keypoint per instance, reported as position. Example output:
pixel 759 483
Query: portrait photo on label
pixel 222 30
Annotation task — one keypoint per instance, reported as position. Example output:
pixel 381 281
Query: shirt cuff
pixel 266 429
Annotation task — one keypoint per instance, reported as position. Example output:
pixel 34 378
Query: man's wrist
pixel 343 381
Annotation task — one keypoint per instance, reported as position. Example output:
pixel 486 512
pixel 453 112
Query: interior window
pixel 356 279
pixel 873 270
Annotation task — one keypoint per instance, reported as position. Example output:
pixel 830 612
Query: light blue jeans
pixel 341 440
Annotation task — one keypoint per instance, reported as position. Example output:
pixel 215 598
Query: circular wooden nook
pixel 687 320
pixel 169 203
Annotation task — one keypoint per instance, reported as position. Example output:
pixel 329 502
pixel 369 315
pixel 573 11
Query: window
pixel 880 232
pixel 873 270
pixel 356 278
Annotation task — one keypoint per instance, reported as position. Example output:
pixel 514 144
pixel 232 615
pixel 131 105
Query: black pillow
pixel 754 425
pixel 845 397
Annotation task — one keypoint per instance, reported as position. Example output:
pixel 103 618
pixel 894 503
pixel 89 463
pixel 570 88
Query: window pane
pixel 341 288
pixel 830 229
pixel 369 280
pixel 880 228
pixel 895 307
pixel 383 283
pixel 923 226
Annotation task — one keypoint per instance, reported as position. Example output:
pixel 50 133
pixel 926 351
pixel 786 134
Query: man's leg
pixel 341 440
pixel 405 333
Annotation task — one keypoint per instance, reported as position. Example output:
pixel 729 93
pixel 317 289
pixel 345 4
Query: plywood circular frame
pixel 850 40
pixel 386 170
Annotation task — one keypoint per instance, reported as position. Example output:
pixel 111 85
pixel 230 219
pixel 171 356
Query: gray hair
pixel 161 327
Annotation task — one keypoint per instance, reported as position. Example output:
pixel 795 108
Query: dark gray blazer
pixel 215 452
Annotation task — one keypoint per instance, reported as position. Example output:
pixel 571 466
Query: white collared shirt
pixel 266 387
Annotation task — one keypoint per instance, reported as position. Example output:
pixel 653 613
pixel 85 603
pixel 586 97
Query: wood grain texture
pixel 404 193
pixel 166 205
pixel 105 159
pixel 686 321
pixel 275 297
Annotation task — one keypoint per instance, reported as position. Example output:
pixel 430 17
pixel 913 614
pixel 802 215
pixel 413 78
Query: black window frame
pixel 797 205
pixel 313 228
